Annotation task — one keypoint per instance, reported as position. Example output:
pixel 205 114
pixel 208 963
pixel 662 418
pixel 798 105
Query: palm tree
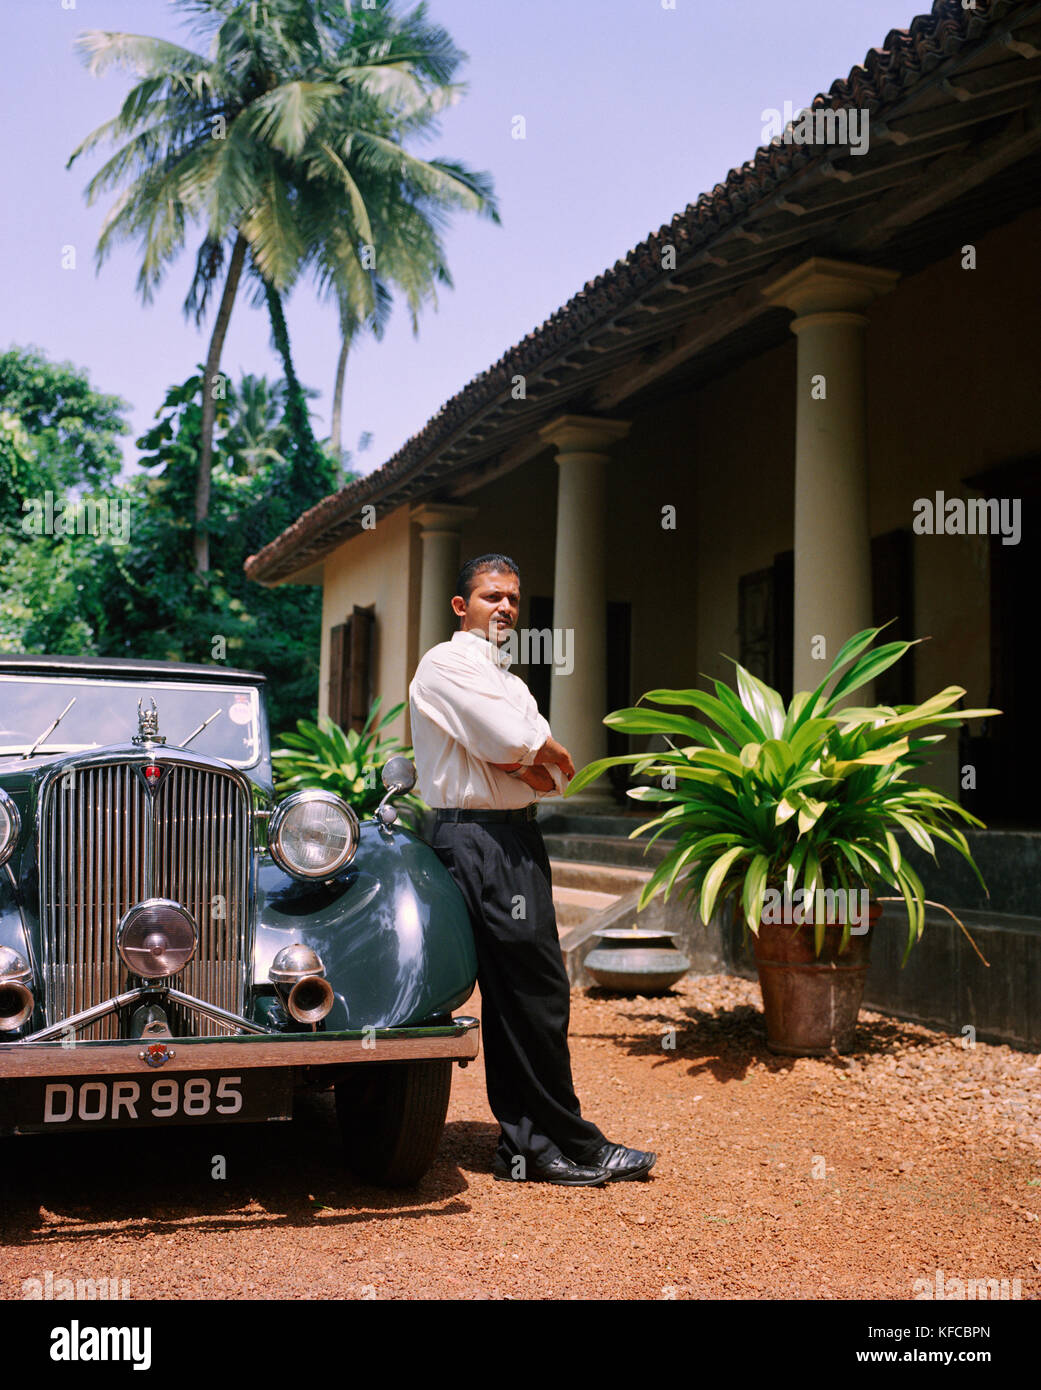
pixel 411 259
pixel 257 432
pixel 277 141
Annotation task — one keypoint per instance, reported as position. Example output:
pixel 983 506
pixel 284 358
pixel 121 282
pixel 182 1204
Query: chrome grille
pixel 106 844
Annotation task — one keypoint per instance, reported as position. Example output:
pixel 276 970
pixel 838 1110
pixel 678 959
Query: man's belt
pixel 454 813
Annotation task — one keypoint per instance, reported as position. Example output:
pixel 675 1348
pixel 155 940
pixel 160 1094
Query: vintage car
pixel 178 948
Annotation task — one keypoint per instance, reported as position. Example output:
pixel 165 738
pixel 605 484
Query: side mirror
pixel 399 775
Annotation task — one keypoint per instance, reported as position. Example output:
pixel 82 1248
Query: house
pixel 806 405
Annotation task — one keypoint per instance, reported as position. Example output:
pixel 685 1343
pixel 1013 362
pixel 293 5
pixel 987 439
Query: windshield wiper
pixel 199 730
pixel 50 728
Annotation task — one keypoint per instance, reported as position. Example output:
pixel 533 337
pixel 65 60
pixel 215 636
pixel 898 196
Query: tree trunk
pixel 209 410
pixel 297 414
pixel 310 469
pixel 341 370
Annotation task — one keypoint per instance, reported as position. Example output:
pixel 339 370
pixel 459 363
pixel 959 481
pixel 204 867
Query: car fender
pixel 392 930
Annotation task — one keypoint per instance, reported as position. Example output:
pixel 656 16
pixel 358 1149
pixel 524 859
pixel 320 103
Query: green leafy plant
pixel 345 761
pixel 765 796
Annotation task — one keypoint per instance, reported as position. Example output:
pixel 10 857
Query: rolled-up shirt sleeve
pixel 470 705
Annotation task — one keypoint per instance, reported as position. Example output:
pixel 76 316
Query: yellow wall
pixel 373 567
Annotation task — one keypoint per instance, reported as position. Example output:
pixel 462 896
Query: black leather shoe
pixel 622 1163
pixel 559 1170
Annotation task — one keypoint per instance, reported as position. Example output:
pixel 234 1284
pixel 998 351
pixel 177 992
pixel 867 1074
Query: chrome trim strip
pixel 459 1040
pixel 140 992
pixel 218 1015
pixel 86 1016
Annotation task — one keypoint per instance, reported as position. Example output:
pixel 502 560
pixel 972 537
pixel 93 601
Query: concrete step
pixel 557 819
pixel 574 905
pixel 606 849
pixel 610 879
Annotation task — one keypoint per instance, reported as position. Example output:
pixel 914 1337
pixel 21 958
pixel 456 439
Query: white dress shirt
pixel 467 712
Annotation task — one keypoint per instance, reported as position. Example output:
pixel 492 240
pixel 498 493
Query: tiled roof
pixel 905 58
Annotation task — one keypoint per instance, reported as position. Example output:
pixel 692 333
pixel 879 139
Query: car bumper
pixel 457 1041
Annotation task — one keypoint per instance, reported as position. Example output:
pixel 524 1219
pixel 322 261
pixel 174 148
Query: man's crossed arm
pixel 536 774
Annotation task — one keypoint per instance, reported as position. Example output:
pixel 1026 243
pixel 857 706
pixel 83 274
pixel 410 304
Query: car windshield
pixel 105 712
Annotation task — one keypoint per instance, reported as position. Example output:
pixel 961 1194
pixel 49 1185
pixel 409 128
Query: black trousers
pixel 503 873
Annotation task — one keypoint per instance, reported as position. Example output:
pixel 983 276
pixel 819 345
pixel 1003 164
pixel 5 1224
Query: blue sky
pixel 631 109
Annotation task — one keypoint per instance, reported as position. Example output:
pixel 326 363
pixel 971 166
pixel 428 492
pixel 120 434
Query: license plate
pixel 111 1102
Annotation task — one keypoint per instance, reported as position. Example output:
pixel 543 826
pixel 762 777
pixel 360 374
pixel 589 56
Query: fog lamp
pixel 155 938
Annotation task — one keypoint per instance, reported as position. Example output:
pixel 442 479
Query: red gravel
pixel 927 1156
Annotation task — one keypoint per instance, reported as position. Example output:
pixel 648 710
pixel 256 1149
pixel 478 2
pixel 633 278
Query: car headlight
pixel 10 825
pixel 313 834
pixel 156 938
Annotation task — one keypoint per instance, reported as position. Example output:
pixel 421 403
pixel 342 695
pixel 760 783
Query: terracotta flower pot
pixel 811 1002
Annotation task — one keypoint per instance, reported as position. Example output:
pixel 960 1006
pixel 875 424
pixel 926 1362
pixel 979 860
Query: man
pixel 484 757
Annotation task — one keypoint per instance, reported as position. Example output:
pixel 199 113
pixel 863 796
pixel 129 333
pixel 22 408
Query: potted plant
pixel 793 815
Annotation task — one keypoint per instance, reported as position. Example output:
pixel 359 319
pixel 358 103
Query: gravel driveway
pixel 777 1178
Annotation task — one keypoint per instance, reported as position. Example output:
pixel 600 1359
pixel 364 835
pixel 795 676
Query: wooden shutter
pixel 338 647
pixel 359 684
pixel 350 668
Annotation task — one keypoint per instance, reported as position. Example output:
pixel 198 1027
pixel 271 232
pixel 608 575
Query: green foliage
pixel 258 434
pixel 809 795
pixel 159 606
pixel 72 428
pixel 92 595
pixel 57 436
pixel 21 476
pixel 346 762
pixel 308 473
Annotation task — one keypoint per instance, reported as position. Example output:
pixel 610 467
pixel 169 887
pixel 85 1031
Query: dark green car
pixel 175 948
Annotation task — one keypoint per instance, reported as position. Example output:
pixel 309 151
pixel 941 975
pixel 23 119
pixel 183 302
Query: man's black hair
pixel 465 583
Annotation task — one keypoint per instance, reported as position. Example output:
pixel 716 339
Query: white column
pixel 578 699
pixel 832 529
pixel 441 524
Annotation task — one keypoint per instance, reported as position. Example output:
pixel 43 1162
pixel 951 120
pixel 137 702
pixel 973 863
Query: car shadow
pixel 83 1186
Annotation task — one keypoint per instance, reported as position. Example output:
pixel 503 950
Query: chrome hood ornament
pixel 148 724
